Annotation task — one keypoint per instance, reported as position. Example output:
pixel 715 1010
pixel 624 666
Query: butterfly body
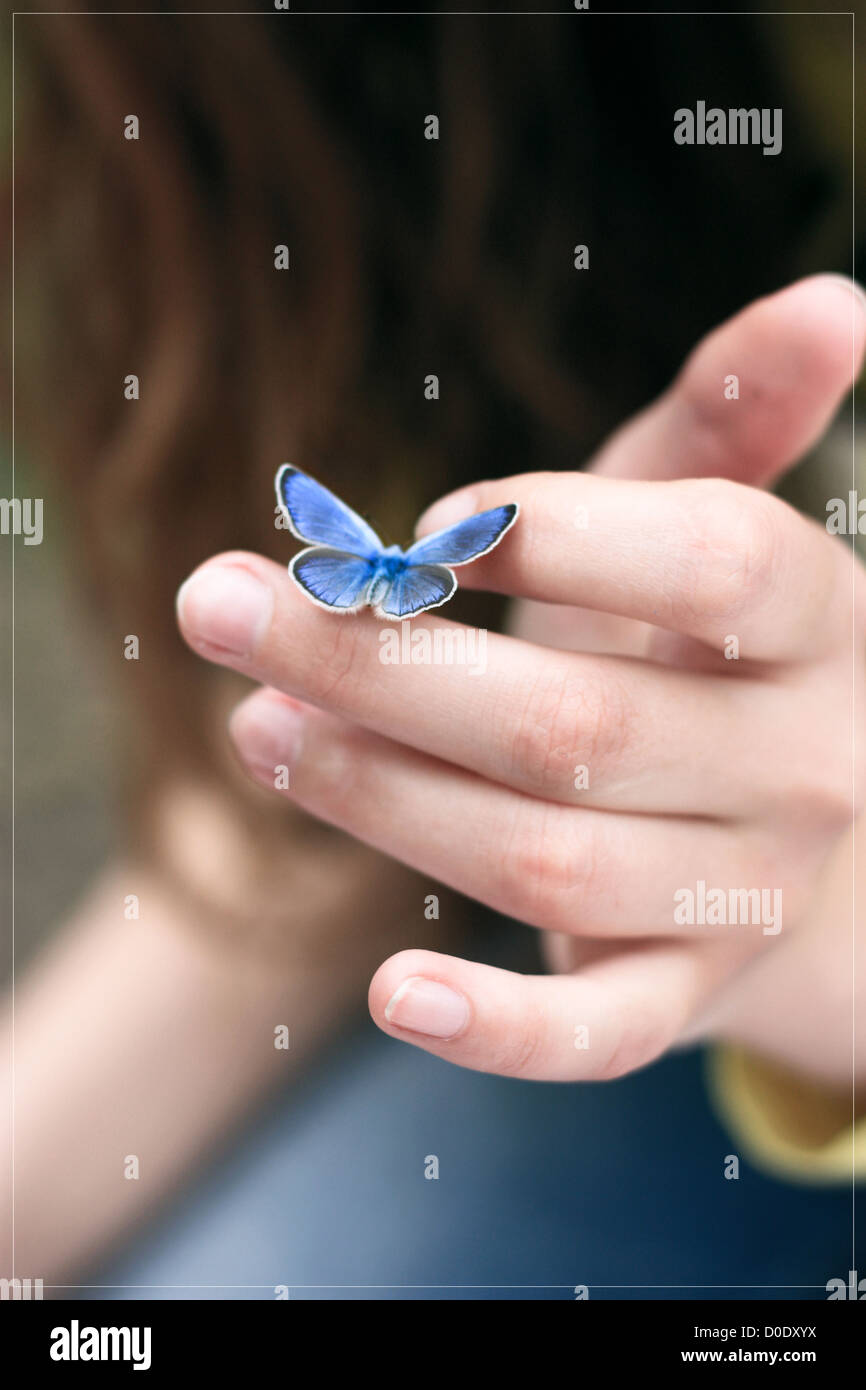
pixel 346 567
pixel 391 563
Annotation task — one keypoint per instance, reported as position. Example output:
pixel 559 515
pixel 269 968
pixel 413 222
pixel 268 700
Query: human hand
pixel 717 750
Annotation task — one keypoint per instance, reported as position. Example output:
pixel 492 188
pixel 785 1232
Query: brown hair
pixel 408 257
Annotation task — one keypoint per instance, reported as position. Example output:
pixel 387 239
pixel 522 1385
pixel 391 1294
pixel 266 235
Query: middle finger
pixel 599 731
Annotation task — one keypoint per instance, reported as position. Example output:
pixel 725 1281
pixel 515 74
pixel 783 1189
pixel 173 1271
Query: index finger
pixel 705 557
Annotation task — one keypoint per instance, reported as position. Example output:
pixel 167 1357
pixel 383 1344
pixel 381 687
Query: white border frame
pixel 581 15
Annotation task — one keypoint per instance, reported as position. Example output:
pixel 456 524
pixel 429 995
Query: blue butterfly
pixel 346 567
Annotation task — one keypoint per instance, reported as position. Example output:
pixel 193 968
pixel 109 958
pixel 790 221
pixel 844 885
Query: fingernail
pixel 267 735
pixel 426 1006
pixel 851 286
pixel 225 606
pixel 455 507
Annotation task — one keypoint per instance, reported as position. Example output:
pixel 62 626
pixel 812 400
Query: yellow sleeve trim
pixel 787 1124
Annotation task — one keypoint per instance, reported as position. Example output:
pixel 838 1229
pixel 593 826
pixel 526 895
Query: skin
pixel 737 772
pixel 155 1037
pixel 156 1040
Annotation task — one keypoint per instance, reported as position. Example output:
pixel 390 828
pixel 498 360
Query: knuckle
pixel 338 776
pixel 828 789
pixel 838 797
pixel 728 557
pixel 856 800
pixel 547 880
pixel 332 674
pixel 568 719
pixel 820 796
pixel 855 785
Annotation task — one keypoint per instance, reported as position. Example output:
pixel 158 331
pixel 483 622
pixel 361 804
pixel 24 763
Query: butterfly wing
pixel 333 578
pixel 415 590
pixel 315 515
pixel 459 544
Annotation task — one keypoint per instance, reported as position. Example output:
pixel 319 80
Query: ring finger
pixel 563 868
